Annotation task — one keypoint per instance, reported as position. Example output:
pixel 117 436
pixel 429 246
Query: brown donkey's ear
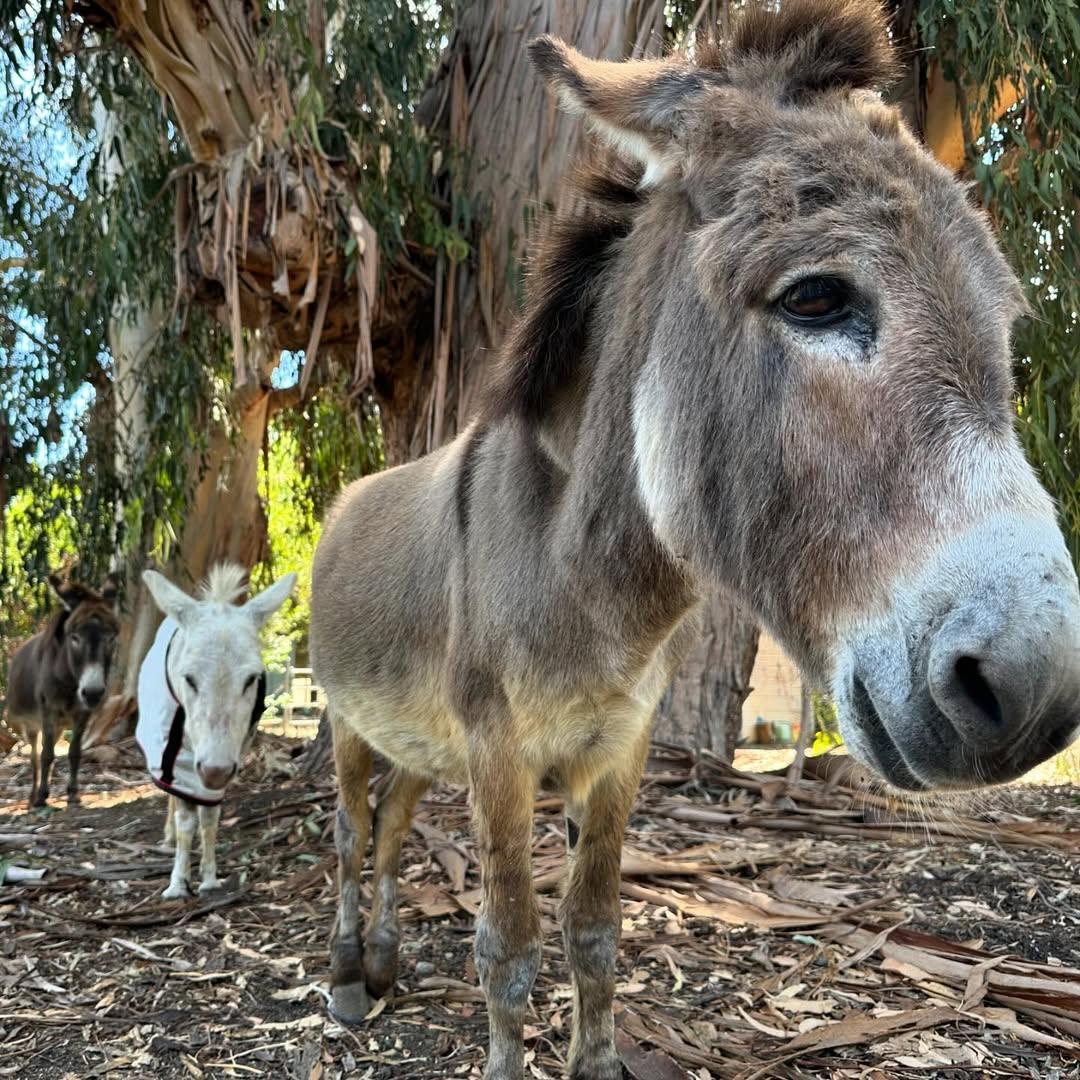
pixel 634 104
pixel 71 593
pixel 110 589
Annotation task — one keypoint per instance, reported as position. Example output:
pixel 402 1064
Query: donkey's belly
pixel 408 732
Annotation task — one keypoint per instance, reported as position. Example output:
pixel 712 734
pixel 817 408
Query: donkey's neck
pixel 604 528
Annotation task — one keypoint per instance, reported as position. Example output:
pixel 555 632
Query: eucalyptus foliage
pixel 1026 164
pixel 77 250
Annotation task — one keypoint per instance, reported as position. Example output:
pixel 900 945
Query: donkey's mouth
pixel 885 755
pixel 938 758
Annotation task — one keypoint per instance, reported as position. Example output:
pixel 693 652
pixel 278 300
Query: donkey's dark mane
pixel 544 350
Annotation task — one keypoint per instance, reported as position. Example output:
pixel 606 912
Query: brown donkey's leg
pixel 74 757
pixel 40 794
pixel 393 817
pixel 352 756
pixel 508 928
pixel 35 762
pixel 591 916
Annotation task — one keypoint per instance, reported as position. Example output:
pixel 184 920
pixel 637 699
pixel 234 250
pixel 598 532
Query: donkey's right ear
pixel 635 104
pixel 173 602
pixel 70 593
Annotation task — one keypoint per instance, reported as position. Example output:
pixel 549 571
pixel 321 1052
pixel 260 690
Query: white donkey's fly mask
pixel 160 729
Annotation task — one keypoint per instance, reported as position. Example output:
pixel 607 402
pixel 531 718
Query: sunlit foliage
pixel 1026 164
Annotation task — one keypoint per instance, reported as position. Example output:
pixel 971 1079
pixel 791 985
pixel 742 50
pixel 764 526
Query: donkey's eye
pixel 191 682
pixel 249 682
pixel 816 301
pixel 76 641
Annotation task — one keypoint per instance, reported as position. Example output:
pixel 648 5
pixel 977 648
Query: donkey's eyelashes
pixel 817 302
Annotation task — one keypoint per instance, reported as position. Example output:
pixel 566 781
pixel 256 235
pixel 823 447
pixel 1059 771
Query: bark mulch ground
pixel 768 930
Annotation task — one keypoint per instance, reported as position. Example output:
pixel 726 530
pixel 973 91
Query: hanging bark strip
pixel 262 215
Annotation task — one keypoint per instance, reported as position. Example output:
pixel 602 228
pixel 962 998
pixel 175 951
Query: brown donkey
pixel 776 362
pixel 59 676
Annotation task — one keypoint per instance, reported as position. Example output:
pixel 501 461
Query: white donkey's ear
pixel 261 607
pixel 173 602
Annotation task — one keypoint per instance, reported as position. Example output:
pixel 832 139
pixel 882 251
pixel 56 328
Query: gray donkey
pixel 775 362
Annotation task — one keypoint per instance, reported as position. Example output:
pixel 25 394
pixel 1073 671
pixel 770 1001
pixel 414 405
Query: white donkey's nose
pixel 215 777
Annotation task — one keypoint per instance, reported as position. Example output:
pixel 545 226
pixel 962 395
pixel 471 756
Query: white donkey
pixel 201 694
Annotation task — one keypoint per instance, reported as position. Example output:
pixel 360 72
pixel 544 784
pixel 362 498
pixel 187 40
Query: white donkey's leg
pixel 208 826
pixel 185 832
pixel 170 820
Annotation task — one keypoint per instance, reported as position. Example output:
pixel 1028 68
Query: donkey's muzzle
pixel 975 677
pixel 215 777
pixel 91 696
pixel 1011 698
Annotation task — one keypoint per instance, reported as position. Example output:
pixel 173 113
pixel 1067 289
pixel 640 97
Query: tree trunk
pixel 703 706
pixel 131 337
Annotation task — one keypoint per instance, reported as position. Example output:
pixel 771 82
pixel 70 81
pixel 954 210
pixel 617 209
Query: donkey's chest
pixel 571 744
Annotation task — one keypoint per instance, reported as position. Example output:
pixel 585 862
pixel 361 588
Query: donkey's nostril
pixel 92 696
pixel 980 689
pixel 977 690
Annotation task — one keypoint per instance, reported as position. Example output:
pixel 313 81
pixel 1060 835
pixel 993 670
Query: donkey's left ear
pixel 635 104
pixel 261 607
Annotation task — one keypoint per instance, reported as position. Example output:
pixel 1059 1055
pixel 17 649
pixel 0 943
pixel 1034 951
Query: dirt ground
pixel 766 932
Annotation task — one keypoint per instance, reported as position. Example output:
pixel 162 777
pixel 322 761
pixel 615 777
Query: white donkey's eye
pixel 249 682
pixel 191 682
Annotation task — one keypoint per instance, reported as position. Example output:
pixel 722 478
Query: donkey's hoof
pixel 596 1063
pixel 380 967
pixel 608 1069
pixel 176 892
pixel 349 1002
pixel 211 886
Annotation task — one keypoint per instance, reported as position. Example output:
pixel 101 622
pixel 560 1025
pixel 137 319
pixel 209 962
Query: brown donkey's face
pixel 824 423
pixel 89 635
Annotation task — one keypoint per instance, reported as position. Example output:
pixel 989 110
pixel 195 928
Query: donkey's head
pixel 215 664
pixel 823 411
pixel 87 631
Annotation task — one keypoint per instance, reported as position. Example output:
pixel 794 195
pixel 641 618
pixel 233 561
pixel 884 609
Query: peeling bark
pixel 257 214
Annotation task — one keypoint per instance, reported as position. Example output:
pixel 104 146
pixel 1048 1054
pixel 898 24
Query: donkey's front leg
pixel 352 758
pixel 591 916
pixel 393 818
pixel 185 833
pixel 74 757
pixel 169 839
pixel 35 763
pixel 508 928
pixel 40 795
pixel 208 826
